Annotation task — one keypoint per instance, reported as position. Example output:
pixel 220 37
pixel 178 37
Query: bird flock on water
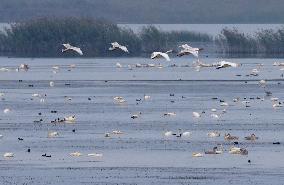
pixel 214 113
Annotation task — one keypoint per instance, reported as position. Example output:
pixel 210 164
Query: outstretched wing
pixel 124 48
pixel 67 46
pixel 78 50
pixel 166 56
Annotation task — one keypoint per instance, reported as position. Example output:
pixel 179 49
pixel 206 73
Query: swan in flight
pixel 165 55
pixel 224 64
pixel 69 47
pixel 115 46
pixel 187 50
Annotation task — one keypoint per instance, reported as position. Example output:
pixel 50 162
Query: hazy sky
pixel 149 11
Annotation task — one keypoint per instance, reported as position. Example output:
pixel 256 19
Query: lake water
pixel 142 155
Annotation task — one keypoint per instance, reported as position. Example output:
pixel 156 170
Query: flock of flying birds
pixel 185 50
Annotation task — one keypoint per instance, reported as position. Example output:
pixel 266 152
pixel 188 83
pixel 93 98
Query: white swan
pixel 224 104
pixel 8 154
pixel 147 97
pixel 95 155
pixel 196 114
pixel 117 132
pixel 187 50
pixel 69 47
pixel 216 116
pixel 116 45
pixel 214 134
pixel 168 133
pixel 165 55
pixel 224 64
pixel 52 134
pixel 70 118
pixel 186 134
pixel 24 67
pixel 7 110
pixel 170 114
pixel 76 154
pixel 118 65
pixel 276 105
pixel 278 63
pixel 197 154
pixel 3 69
pixel 51 84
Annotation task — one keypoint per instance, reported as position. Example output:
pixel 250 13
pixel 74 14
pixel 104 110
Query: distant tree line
pixel 264 43
pixel 44 38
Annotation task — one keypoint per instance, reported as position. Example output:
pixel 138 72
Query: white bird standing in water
pixel 165 55
pixel 69 47
pixel 116 45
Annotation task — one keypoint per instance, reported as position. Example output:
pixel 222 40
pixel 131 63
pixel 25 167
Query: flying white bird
pixel 115 46
pixel 69 47
pixel 165 55
pixel 224 64
pixel 187 50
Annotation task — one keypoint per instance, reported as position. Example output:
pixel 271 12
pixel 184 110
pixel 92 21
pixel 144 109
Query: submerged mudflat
pixel 142 154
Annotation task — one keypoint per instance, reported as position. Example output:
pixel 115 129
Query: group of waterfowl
pixel 186 50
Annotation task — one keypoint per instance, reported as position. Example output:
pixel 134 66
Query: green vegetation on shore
pixel 43 38
pixel 265 43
